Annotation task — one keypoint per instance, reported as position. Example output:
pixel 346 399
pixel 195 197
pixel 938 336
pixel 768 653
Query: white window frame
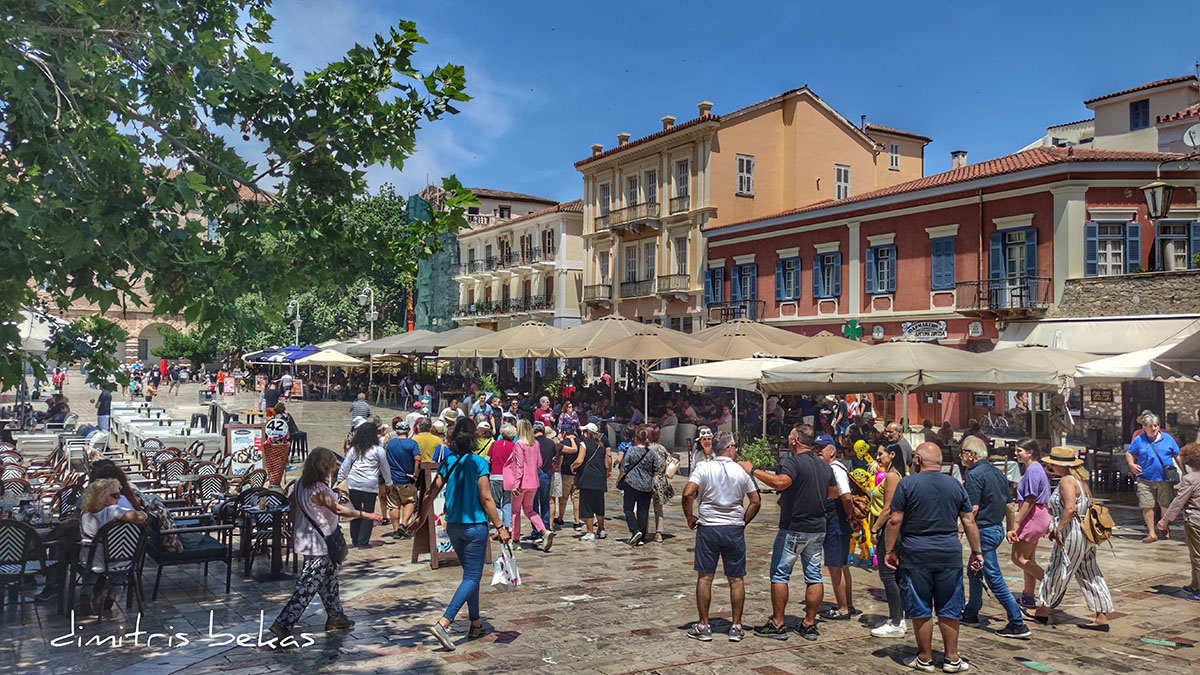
pixel 683 177
pixel 651 186
pixel 841 181
pixel 745 175
pixel 828 269
pixel 1174 234
pixel 681 255
pixel 602 258
pixel 631 262
pixel 604 201
pixel 631 190
pixel 883 269
pixel 649 260
pixel 791 278
pixel 893 156
pixel 1110 240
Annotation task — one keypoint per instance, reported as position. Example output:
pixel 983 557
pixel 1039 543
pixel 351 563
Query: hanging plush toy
pixel 862 550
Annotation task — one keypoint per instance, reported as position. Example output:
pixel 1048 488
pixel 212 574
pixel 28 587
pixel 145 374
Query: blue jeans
pixel 932 589
pixel 789 546
pixel 541 501
pixel 470 542
pixel 989 538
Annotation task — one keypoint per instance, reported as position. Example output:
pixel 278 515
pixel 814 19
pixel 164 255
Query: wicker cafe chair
pixel 17 486
pixel 21 554
pixel 10 471
pixel 260 537
pixel 116 553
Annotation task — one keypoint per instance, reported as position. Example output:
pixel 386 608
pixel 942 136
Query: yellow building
pixel 645 200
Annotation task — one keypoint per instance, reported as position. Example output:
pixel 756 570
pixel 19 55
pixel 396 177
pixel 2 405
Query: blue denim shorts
pixel 926 589
pixel 727 542
pixel 807 546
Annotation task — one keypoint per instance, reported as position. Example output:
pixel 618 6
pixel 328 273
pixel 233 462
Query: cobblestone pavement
pixel 594 607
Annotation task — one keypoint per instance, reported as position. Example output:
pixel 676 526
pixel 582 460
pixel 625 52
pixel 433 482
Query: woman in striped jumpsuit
pixel 1073 555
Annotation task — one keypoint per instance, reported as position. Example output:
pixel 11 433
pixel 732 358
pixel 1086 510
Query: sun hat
pixel 591 427
pixel 483 425
pixel 705 432
pixel 357 422
pixel 450 415
pixel 1063 455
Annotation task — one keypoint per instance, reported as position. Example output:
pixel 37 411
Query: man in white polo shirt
pixel 720 486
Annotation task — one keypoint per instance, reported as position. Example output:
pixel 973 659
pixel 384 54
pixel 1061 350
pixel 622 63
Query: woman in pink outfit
pixel 520 476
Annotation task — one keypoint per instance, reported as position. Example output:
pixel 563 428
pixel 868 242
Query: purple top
pixel 1034 484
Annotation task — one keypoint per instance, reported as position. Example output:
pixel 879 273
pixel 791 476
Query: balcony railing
pixel 645 213
pixel 597 292
pixel 680 204
pixel 603 223
pixel 508 260
pixel 637 289
pixel 674 283
pixel 1003 295
pixel 480 219
pixel 720 312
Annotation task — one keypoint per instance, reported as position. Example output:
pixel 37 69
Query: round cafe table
pixel 250 415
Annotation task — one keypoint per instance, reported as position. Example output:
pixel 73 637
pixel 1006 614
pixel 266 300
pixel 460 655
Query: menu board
pixel 297 388
pixel 243 443
pixel 230 385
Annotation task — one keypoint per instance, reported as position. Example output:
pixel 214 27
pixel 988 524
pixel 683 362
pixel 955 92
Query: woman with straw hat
pixel 1073 555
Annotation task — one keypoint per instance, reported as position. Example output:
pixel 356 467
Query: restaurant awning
pixel 509 343
pixel 430 344
pixel 1164 362
pixel 1101 335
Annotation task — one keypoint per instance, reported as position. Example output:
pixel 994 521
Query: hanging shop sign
pixel 925 331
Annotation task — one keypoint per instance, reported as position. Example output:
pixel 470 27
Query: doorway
pixel 1136 396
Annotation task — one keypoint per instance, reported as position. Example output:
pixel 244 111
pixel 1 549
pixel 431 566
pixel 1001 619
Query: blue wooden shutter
pixel 943 264
pixel 1193 245
pixel 818 285
pixel 735 283
pixel 892 269
pixel 751 270
pixel 1030 252
pixel 1091 249
pixel 996 256
pixel 837 275
pixel 1133 247
pixel 708 287
pixel 870 269
pixel 794 289
pixel 780 291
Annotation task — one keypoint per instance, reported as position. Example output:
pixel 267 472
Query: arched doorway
pixel 148 340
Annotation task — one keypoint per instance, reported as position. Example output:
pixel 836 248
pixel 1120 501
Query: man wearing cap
pixel 360 407
pixel 991 501
pixel 838 528
pixel 927 508
pixel 403 453
pixel 417 413
pixel 804 482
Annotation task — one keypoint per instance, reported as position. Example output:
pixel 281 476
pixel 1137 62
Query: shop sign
pixel 924 331
pixel 1102 395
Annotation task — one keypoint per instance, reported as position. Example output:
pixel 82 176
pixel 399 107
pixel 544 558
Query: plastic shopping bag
pixel 505 575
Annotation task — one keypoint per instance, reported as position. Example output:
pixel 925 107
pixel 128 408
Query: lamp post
pixel 371 314
pixel 293 308
pixel 1158 194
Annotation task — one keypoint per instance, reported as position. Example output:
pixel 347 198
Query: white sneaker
pixel 889 630
pixel 588 537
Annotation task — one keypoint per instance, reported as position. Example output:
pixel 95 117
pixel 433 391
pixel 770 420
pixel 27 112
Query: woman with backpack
pixel 469 509
pixel 1073 556
pixel 663 490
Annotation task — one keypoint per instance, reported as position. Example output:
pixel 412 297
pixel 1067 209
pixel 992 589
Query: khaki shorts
pixel 1151 491
pixel 568 487
pixel 401 495
pixel 556 485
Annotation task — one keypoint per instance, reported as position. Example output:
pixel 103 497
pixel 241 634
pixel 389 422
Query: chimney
pixel 705 109
pixel 862 125
pixel 623 139
pixel 958 159
pixel 597 148
pixel 668 121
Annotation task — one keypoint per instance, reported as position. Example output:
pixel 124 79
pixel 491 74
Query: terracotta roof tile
pixel 1028 159
pixel 505 194
pixel 1140 87
pixel 573 206
pixel 1190 111
pixel 647 139
pixel 1071 124
pixel 898 132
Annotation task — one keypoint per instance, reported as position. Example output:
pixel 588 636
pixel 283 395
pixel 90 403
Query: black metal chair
pixel 263 528
pixel 216 545
pixel 299 448
pixel 117 553
pixel 21 554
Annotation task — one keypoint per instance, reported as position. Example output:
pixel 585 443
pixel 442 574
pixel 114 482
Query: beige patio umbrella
pixel 649 345
pixel 380 345
pixel 329 358
pixel 754 329
pixel 739 345
pixel 1032 368
pixel 430 344
pixel 509 343
pixel 568 344
pixel 825 344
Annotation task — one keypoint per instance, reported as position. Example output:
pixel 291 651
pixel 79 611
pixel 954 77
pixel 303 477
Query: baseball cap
pixel 705 432
pixel 450 415
pixel 591 427
pixel 439 426
pixel 539 426
pixel 483 425
pixel 402 426
pixel 357 422
pixel 824 440
pixel 416 405
pixel 508 415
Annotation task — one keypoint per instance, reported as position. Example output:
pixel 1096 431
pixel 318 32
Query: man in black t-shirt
pixel 104 409
pixel 804 482
pixel 547 448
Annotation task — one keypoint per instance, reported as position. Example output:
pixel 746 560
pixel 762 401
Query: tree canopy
pixel 123 187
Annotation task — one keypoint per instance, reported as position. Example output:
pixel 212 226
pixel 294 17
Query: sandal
pixel 834 615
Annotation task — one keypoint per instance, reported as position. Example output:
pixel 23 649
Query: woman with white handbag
pixel 469 509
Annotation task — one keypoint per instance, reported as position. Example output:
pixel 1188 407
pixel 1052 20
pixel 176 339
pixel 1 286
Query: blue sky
pixel 551 78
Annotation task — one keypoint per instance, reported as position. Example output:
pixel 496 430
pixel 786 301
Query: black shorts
pixel 727 542
pixel 591 503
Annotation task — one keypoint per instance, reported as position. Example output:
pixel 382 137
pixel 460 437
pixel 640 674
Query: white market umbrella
pixel 329 358
pixel 1164 362
pixel 744 374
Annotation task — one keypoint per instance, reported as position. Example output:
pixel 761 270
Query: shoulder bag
pixel 335 542
pixel 1169 470
pixel 621 484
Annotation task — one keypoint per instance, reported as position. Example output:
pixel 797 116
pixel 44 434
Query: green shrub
pixel 759 453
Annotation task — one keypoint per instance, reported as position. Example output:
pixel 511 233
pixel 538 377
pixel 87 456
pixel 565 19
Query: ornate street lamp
pixel 293 308
pixel 1158 198
pixel 371 314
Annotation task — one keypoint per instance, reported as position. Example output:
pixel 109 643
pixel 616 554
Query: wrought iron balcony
pixel 681 203
pixel 720 312
pixel 1010 295
pixel 635 217
pixel 674 284
pixel 637 289
pixel 598 293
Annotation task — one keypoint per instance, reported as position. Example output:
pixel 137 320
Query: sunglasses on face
pixel 115 495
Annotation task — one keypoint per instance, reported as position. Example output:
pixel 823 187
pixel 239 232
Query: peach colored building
pixel 646 200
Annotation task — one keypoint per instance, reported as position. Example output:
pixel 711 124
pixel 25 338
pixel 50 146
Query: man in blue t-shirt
pixel 404 456
pixel 926 509
pixel 1148 455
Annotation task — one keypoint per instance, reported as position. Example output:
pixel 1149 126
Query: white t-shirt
pixel 286 381
pixel 722 486
pixel 842 477
pixel 90 523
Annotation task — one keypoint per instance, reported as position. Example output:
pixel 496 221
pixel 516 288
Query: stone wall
pixel 1130 295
